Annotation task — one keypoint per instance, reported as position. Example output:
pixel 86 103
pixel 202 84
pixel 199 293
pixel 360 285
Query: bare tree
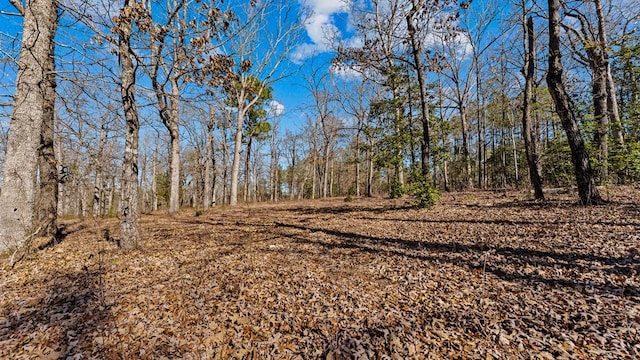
pixel 131 11
pixel 31 101
pixel 180 42
pixel 260 58
pixel 530 137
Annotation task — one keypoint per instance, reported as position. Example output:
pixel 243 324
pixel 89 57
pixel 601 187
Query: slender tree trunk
pixel 357 160
pixel 174 134
pixel 587 189
pixel 601 115
pixel 225 167
pixel 331 178
pixel 235 167
pixel 129 192
pixel 464 124
pixel 533 158
pixel 314 179
pixel 370 168
pixel 612 100
pixel 247 170
pixel 33 86
pixel 293 170
pixel 514 155
pixel 208 161
pixel 154 179
pixel 416 49
pixel 273 165
pixel 325 170
pixel 98 191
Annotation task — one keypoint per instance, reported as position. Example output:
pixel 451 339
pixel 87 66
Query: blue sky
pixel 325 17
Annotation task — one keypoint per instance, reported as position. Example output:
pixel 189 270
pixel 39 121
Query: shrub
pixel 396 190
pixel 425 194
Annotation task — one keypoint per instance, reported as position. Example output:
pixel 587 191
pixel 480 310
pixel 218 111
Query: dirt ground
pixel 481 275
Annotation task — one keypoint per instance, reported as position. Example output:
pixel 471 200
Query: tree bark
pixel 129 192
pixel 19 191
pixel 612 100
pixel 466 154
pixel 416 50
pixel 533 158
pixel 235 167
pixel 48 194
pixel 98 191
pixel 600 114
pixel 174 134
pixel 154 179
pixel 209 162
pixel 273 165
pixel 587 189
pixel 247 169
pixel 293 169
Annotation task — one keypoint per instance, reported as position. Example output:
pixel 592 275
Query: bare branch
pixel 18 5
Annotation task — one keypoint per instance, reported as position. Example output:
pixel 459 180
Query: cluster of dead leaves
pixel 481 275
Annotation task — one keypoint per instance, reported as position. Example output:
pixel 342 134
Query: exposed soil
pixel 481 275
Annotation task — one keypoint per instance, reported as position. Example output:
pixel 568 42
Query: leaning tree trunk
pixel 587 189
pixel 19 191
pixel 129 192
pixel 533 159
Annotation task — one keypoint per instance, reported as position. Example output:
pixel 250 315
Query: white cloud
pixel 319 27
pixel 275 108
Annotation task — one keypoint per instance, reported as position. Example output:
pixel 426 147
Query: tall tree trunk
pixel 48 193
pixel 370 169
pixel 601 115
pixel 235 167
pixel 19 191
pixel 98 191
pixel 314 179
pixel 225 166
pixel 466 154
pixel 154 179
pixel 208 162
pixel 514 155
pixel 357 160
pixel 129 192
pixel 612 100
pixel 247 170
pixel 273 166
pixel 533 158
pixel 587 189
pixel 416 49
pixel 325 170
pixel 293 170
pixel 174 134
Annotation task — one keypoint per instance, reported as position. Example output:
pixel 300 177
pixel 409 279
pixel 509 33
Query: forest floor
pixel 481 275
